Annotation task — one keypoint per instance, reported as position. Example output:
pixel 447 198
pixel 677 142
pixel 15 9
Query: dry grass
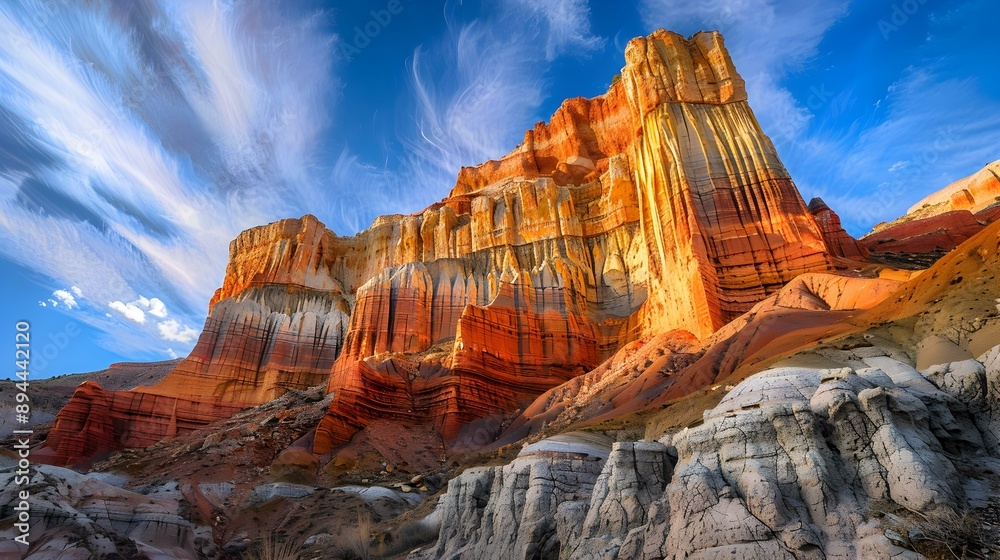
pixel 270 549
pixel 963 533
pixel 410 536
pixel 686 412
pixel 944 534
pixel 360 541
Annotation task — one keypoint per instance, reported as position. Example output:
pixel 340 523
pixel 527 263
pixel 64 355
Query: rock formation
pixel 641 248
pixel 517 511
pixel 627 215
pixel 52 394
pixel 943 220
pixel 276 324
pixel 838 241
pixel 78 517
pixel 658 206
pixel 973 193
pixel 651 372
pixel 792 463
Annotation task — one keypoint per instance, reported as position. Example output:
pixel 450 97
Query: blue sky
pixel 137 139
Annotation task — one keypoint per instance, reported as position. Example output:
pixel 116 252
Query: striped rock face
pixel 659 206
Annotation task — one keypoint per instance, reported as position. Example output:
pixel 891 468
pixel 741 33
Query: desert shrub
pixel 411 536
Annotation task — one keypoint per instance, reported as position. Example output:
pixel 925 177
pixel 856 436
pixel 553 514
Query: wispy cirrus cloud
pixel 470 95
pixel 137 139
pixel 934 129
pixel 474 92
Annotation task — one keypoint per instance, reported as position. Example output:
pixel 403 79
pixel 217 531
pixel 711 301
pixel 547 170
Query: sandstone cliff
pixel 281 329
pixel 659 206
pixel 973 193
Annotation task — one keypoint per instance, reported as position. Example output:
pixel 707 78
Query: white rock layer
pixel 788 465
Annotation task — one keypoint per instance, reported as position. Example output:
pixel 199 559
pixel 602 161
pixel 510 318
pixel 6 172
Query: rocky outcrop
pixel 52 394
pixel 649 373
pixel 633 479
pixel 659 206
pixel 96 421
pixel 943 220
pixel 838 241
pixel 78 516
pixel 792 463
pixel 277 323
pixel 254 347
pixel 942 232
pixel 973 193
pixel 523 509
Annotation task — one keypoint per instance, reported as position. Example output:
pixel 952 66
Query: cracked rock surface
pixel 78 516
pixel 790 464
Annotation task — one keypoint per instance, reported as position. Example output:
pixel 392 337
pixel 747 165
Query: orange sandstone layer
pixel 659 206
pixel 945 219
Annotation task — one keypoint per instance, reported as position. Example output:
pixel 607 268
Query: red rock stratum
pixel 659 206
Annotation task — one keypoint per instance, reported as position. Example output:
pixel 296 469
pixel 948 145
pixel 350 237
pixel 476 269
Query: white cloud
pixel 136 310
pixel 566 24
pixel 172 330
pixel 157 308
pixel 66 298
pixel 42 304
pixel 129 310
pixel 158 135
pixel 171 353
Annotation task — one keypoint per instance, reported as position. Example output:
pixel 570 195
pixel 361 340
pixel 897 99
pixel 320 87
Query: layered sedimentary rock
pixel 95 421
pixel 78 517
pixel 658 206
pixel 52 394
pixel 648 373
pixel 838 241
pixel 943 220
pixel 521 509
pixel 941 232
pixel 278 323
pixel 793 463
pixel 973 193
